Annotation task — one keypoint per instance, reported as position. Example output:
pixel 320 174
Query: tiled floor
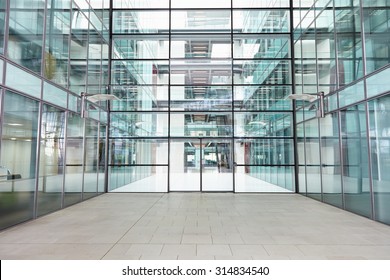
pixel 198 226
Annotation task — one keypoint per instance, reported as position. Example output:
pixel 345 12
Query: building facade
pixel 201 101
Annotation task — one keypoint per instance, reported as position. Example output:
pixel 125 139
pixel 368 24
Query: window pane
pixel 200 4
pixel 201 21
pixel 141 47
pixel 25 33
pixel 140 22
pixel 23 81
pixel 261 3
pixel 261 46
pixel 261 21
pixel 139 125
pixel 91 159
pixel 51 164
pixel 17 174
pixel 355 160
pixel 2 26
pixel 137 4
pixel 55 95
pixel 380 156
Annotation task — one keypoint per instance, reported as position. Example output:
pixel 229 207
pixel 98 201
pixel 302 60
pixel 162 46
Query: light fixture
pixel 320 112
pixel 94 98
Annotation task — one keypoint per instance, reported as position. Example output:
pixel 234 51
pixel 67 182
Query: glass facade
pixel 201 102
pixel 341 49
pixel 50 157
pixel 202 89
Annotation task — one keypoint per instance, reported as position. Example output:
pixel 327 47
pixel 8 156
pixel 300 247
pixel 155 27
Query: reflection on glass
pixel 262 3
pixel 355 160
pixel 185 165
pixel 141 47
pixel 26 33
pixel 137 4
pixel 139 125
pixel 301 151
pixel 261 46
pixel 261 21
pixel 380 156
pixel 200 21
pixel 130 22
pixel 51 163
pixel 2 26
pixel 17 174
pixel 102 158
pixel 74 160
pixel 330 160
pixel 91 159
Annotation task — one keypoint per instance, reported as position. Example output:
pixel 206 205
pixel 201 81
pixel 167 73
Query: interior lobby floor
pixel 190 226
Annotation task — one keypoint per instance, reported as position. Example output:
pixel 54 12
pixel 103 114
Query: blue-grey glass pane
pixel 380 156
pixel 26 33
pixel 261 21
pixel 139 124
pixel 355 160
pixel 261 46
pixel 1 71
pixel 51 161
pixel 130 72
pixel 201 21
pixel 58 21
pixel 2 25
pixel 23 81
pixel 262 98
pixel 330 160
pixel 351 94
pixel 74 160
pixel 17 173
pixel 131 22
pixel 91 158
pixel 378 83
pixel 55 95
pixel 138 151
pixel 73 103
pixel 252 72
pixel 138 179
pixel 141 47
pixel 137 4
pixel 254 124
pixel 200 98
pixel 201 124
pixel 377 34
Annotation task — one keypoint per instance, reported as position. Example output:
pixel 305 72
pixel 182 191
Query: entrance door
pixel 201 165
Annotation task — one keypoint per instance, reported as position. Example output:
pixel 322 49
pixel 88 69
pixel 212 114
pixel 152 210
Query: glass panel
pixel 201 21
pixel 355 160
pixel 185 163
pixel 378 83
pixel 94 62
pixel 58 20
pixel 140 72
pixel 23 81
pixel 138 151
pixel 301 150
pixel 140 22
pixel 261 46
pixel 380 156
pixel 254 124
pixel 217 165
pixel 261 21
pixel 140 4
pixel 138 179
pixel 312 150
pixel 200 4
pixel 330 160
pixel 262 98
pixel 102 158
pixel 349 41
pixel 91 159
pixel 2 25
pixel 261 3
pixel 17 173
pixel 200 124
pixel 377 34
pixel 139 125
pixel 51 163
pixel 262 72
pixel 141 47
pixel 25 33
pixel 1 71
pixel 201 72
pixel 201 46
pixel 78 51
pixel 74 160
pixel 351 94
pixel 55 95
pixel 200 98
pixel 140 98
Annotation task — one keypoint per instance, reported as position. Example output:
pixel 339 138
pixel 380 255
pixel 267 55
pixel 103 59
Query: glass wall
pixel 208 83
pixel 50 157
pixel 334 56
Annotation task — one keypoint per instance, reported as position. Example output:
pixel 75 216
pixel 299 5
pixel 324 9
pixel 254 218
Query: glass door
pixel 217 165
